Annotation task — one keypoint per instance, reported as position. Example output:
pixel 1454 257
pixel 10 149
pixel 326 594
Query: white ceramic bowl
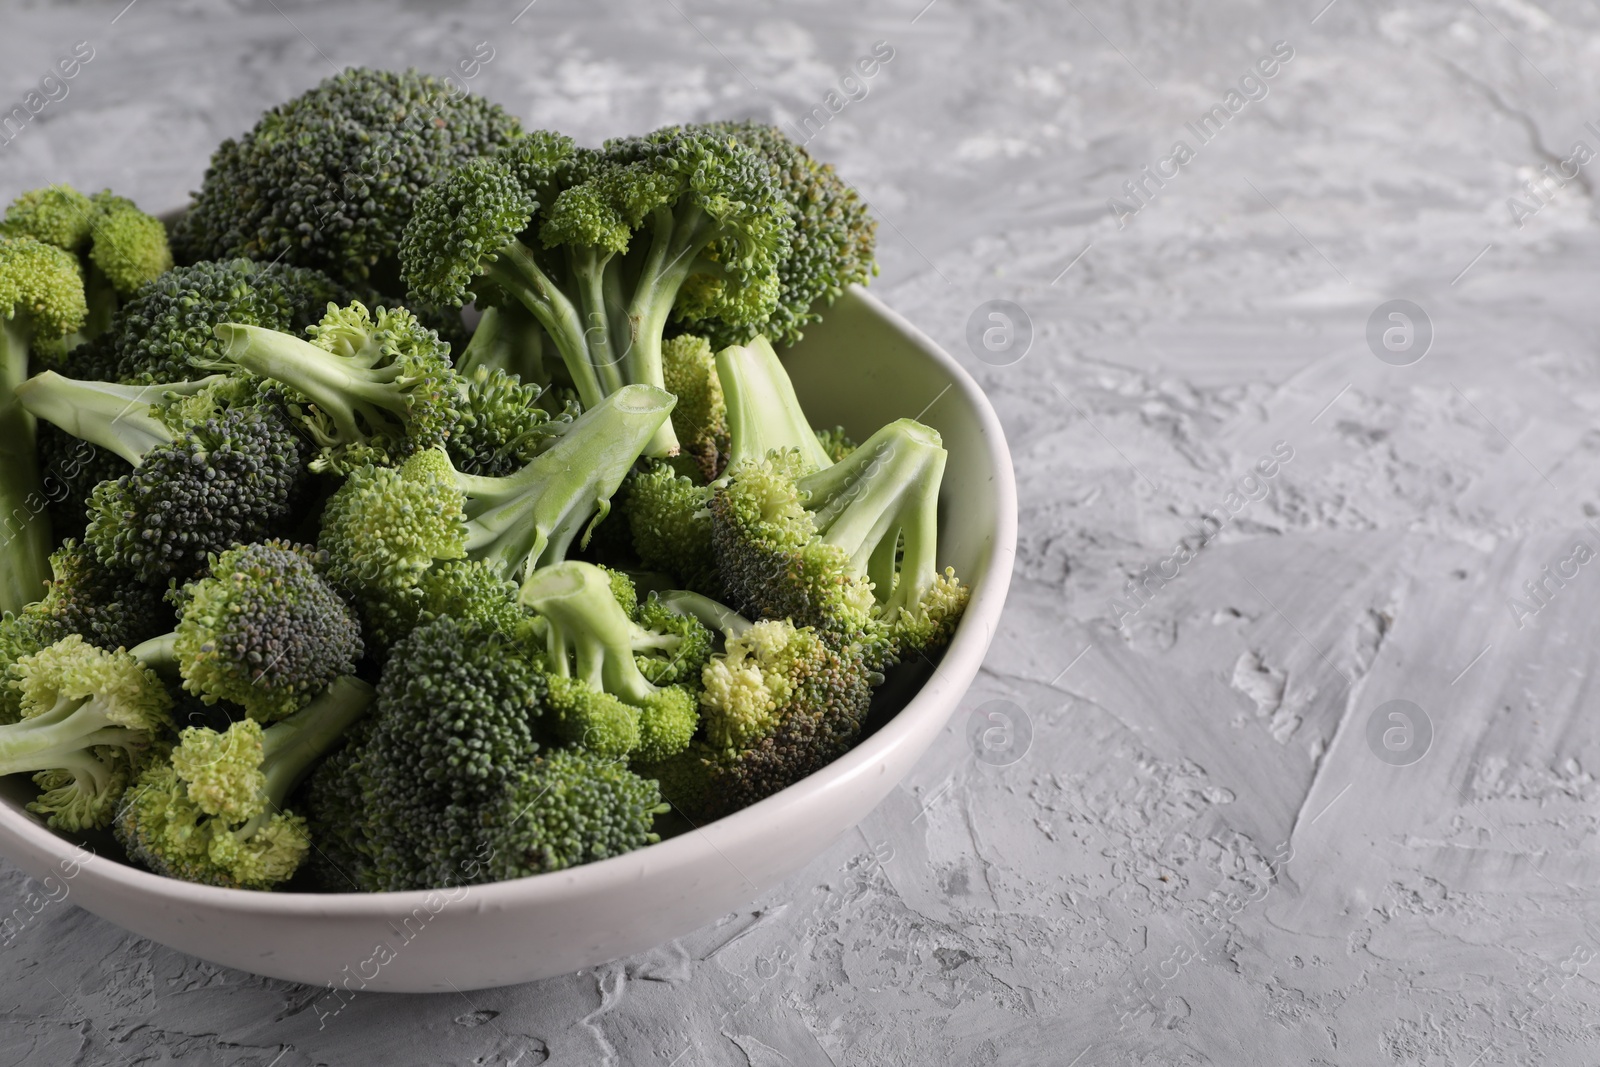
pixel 861 367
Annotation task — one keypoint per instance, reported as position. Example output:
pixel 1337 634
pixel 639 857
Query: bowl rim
pixel 970 641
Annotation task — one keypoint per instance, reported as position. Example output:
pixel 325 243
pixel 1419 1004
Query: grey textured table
pixel 1218 846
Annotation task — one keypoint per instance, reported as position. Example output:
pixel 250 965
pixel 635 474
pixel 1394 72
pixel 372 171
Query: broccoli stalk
pixel 507 338
pixel 41 299
pixel 213 812
pixel 119 418
pixel 87 716
pixel 764 414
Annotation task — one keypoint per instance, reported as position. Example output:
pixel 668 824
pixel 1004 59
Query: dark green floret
pixel 213 811
pixel 217 463
pixel 329 179
pixel 165 332
pixel 263 630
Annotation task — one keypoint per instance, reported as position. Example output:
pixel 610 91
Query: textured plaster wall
pixel 1186 844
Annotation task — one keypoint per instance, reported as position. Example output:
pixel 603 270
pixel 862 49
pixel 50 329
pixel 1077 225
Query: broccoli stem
pixel 291 748
pixel 515 270
pixel 530 518
pixel 882 501
pixel 714 616
pixel 118 418
pixel 587 634
pixel 25 552
pixel 160 654
pixel 507 338
pixel 48 740
pixel 763 412
pixel 359 400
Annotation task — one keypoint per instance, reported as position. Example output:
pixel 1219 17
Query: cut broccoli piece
pixel 328 180
pixel 378 384
pixel 218 463
pixel 501 426
pixel 263 630
pixel 850 549
pixel 214 813
pixel 88 715
pixel 384 527
pixel 830 247
pixel 626 234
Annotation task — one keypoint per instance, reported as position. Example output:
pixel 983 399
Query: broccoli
pixel 213 812
pixel 88 717
pixel 165 332
pixel 218 463
pixel 830 248
pixel 669 513
pixel 510 339
pixel 262 630
pixel 850 549
pixel 385 526
pixel 41 299
pixel 626 234
pixel 781 704
pixel 451 782
pixel 379 385
pixel 108 608
pixel 328 180
pixel 701 418
pixel 613 666
pixel 500 426
pixel 120 248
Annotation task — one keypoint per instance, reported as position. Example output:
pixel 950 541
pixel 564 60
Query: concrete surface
pixel 1196 834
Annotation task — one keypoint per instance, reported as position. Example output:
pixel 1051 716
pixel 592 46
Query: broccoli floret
pixel 263 630
pixel 384 527
pixel 501 425
pixel 108 608
pixel 781 704
pixel 118 247
pixel 701 418
pixel 41 299
pixel 850 549
pixel 213 812
pixel 624 235
pixel 668 512
pixel 88 716
pixel 452 733
pixel 450 783
pixel 328 180
pixel 165 331
pixel 831 245
pixel 378 386
pixel 612 675
pixel 836 443
pixel 218 463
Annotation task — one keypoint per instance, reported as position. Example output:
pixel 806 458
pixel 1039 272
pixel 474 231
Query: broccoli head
pixel 213 811
pixel 700 420
pixel 264 630
pixel 780 704
pixel 329 179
